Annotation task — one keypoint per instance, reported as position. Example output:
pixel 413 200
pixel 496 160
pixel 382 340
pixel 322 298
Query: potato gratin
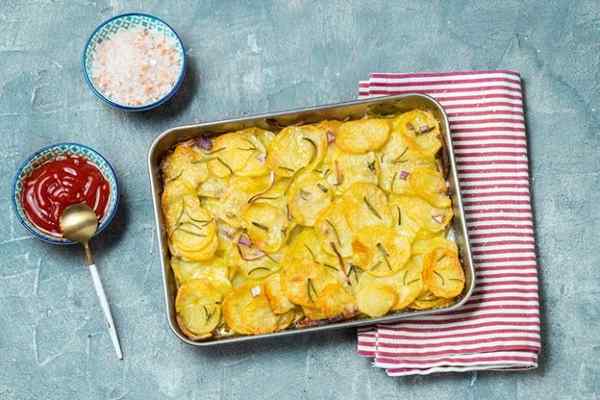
pixel 319 222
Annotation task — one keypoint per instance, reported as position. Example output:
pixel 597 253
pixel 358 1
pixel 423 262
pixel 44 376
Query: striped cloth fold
pixel 499 327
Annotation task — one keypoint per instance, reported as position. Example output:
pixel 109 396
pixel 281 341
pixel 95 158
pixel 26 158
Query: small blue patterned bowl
pixel 123 22
pixel 50 152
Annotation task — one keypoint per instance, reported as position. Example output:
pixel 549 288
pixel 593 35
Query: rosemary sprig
pixel 176 176
pixel 304 194
pixel 399 215
pixel 398 160
pixel 219 159
pixel 371 208
pixel 335 232
pixel 441 277
pixel 322 187
pixel 285 168
pixel 385 255
pixel 210 152
pixel 204 160
pixel 258 269
pixel 330 267
pixel 339 257
pixel 310 287
pixel 404 278
pixel 371 167
pixel 413 281
pixel 339 175
pixel 312 254
pixel 314 147
pixel 260 226
pixel 393 181
pixel 377 265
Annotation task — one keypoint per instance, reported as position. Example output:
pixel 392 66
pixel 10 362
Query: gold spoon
pixel 79 223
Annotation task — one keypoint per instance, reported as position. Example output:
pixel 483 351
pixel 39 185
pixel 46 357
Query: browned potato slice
pixel 421 131
pixel 303 280
pixel 362 136
pixel 404 224
pixel 236 301
pixel 266 225
pixel 280 304
pixel 366 205
pixel 198 307
pixel 380 251
pixel 428 300
pixel 308 196
pixel 185 165
pixel 192 232
pixel 334 300
pixel 214 271
pixel 431 186
pixel 297 147
pixel 257 317
pixel 442 273
pixel 376 300
pixel 241 153
pixel 334 231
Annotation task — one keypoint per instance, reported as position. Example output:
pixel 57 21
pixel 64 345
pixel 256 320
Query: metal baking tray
pixel 353 109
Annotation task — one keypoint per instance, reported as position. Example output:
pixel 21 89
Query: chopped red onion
pixel 244 240
pixel 438 218
pixel 404 175
pixel 204 143
pixel 262 157
pixel 330 137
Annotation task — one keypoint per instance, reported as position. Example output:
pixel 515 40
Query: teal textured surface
pixel 251 57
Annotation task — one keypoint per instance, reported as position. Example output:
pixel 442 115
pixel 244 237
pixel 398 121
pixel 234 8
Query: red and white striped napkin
pixel 499 327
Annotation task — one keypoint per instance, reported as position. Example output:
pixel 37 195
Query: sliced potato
pixel 241 153
pixel 409 283
pixel 421 131
pixel 442 273
pixel 376 300
pixel 257 316
pixel 365 205
pixel 306 245
pixel 431 186
pixel 214 271
pixel 430 218
pixel 308 196
pixel 334 231
pixel 304 280
pixel 428 300
pixel 213 187
pixel 334 300
pixel 239 190
pixel 235 303
pixel 280 304
pixel 266 225
pixel 198 307
pixel 380 251
pixel 185 165
pixel 345 169
pixel 362 136
pixel 297 147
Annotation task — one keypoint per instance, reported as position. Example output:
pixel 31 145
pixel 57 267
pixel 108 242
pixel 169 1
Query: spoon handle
pixel 106 310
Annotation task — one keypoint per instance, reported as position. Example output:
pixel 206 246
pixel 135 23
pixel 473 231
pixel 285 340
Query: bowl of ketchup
pixel 58 176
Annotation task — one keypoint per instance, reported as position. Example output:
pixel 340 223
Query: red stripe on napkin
pixel 499 327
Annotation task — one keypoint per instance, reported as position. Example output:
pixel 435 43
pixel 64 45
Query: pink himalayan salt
pixel 136 66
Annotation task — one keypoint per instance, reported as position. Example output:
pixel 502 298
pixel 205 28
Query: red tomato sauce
pixel 59 183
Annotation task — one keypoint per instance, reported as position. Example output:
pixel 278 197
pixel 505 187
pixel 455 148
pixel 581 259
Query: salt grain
pixel 136 67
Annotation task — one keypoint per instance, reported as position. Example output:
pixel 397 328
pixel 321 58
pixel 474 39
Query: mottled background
pixel 257 56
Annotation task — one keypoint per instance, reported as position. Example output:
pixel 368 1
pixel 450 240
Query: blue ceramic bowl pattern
pixel 122 22
pixel 48 153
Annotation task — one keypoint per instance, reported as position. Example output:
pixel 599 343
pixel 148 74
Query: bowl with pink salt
pixel 134 62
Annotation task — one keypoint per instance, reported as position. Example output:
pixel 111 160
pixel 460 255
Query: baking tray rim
pixel 466 256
